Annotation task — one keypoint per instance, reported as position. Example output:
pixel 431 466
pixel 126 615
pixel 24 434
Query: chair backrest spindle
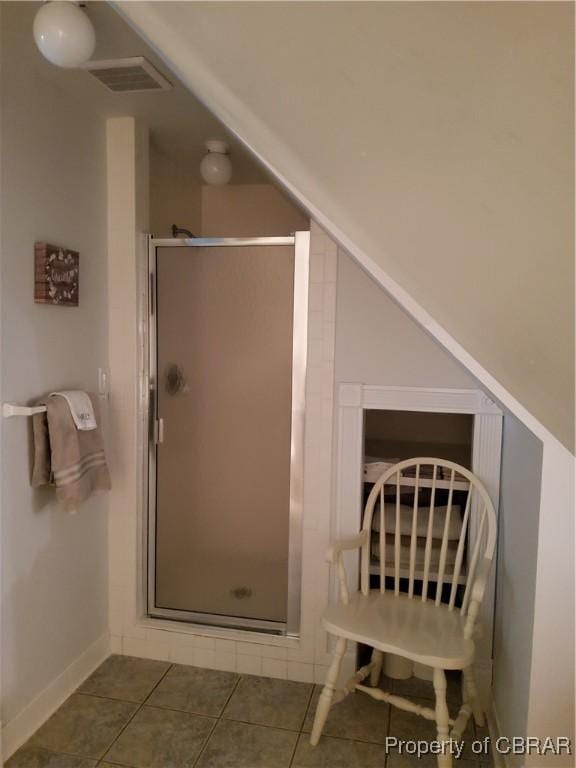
pixel 382 540
pixel 460 551
pixel 397 539
pixel 428 550
pixel 444 547
pixel 413 535
pixel 434 544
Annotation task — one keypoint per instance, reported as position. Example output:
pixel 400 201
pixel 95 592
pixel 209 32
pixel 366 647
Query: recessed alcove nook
pixel 358 405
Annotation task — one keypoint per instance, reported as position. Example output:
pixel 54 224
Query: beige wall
pixel 54 565
pixel 175 194
pixel 249 210
pixel 436 136
pixel 378 343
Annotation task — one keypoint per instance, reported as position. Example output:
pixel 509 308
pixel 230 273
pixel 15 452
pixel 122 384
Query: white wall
pixel 435 139
pixel 551 704
pixel 54 565
pixel 516 575
pixel 378 343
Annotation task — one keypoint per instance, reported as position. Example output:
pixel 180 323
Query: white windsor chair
pixel 438 551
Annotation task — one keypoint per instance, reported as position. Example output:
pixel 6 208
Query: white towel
pixel 406 512
pixel 80 407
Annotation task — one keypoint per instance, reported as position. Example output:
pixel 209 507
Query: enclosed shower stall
pixel 227 331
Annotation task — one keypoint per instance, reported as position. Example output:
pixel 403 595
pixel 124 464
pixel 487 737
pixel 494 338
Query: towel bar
pixel 9 410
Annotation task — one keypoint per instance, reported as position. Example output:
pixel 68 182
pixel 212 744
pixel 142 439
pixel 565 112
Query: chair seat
pixel 408 627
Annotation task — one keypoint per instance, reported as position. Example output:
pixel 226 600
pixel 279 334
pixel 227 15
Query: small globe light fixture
pixel 64 34
pixel 216 168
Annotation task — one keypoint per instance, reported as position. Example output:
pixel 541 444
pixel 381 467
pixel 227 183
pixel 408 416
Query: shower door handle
pixel 159 431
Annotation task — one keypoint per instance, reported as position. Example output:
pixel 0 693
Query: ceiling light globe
pixel 216 168
pixel 64 34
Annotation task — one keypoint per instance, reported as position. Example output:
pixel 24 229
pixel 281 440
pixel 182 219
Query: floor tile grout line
pixel 389 718
pixel 232 692
pixel 260 725
pixel 108 698
pixel 208 737
pixel 170 665
pixel 296 743
pixel 307 708
pixel 222 719
pixel 218 719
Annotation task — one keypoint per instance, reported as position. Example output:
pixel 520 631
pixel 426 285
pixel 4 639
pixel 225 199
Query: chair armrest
pixel 334 556
pixel 355 542
pixel 481 580
pixel 477 595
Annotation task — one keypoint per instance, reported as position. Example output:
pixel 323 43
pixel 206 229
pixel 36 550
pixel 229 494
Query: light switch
pixel 103 388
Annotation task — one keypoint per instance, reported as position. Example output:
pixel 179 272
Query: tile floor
pixel 151 714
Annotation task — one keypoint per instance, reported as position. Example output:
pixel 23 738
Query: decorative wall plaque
pixel 56 275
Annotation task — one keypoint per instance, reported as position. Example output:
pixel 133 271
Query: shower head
pixel 179 232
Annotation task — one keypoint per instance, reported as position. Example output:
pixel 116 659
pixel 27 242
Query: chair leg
pixel 327 694
pixel 469 682
pixel 442 717
pixel 376 671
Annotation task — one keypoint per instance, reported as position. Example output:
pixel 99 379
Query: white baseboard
pixel 18 730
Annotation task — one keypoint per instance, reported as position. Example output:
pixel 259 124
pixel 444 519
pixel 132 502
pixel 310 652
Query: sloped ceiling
pixel 437 136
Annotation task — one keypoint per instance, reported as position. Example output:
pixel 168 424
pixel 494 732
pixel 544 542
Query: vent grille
pixel 130 75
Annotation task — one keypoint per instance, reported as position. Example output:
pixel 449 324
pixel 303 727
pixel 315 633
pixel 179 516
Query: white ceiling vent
pixel 129 75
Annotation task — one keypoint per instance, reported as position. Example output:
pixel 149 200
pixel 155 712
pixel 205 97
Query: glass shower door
pixel 228 382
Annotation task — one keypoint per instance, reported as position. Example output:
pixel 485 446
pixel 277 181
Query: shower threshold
pixel 221 622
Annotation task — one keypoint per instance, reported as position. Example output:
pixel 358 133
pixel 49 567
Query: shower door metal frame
pixel 300 241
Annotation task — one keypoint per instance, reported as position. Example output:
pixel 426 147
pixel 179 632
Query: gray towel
pixel 73 460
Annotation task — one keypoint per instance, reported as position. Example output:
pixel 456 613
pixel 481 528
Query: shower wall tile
pixel 249 665
pixel 204 658
pixel 275 668
pixel 317 266
pixel 316 297
pixel 134 646
pixel 183 656
pixel 329 300
pixel 320 672
pixel 228 646
pixel 315 325
pixel 250 649
pixel 314 380
pixel 156 644
pixel 331 266
pixel 205 643
pixel 225 661
pixel 278 652
pixel 183 649
pixel 302 673
pixel 316 350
